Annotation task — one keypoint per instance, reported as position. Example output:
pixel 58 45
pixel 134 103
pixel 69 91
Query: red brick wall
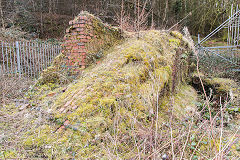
pixel 75 40
pixel 85 36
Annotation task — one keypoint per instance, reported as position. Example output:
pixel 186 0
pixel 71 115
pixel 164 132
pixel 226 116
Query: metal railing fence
pixel 222 58
pixel 26 58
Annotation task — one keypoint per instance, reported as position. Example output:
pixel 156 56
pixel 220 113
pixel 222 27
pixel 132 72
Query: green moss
pixel 105 37
pixel 9 154
pixel 42 139
pixel 222 84
pixel 9 109
pixel 174 41
pixel 176 34
pixel 184 101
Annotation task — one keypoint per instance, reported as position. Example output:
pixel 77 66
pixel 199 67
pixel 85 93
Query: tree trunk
pixel 41 17
pixel 165 13
pixel 1 12
pixel 50 6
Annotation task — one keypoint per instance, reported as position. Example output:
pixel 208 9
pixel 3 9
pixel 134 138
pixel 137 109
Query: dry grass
pixel 195 137
pixel 12 88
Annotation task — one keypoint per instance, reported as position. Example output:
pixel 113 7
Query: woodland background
pixel 49 18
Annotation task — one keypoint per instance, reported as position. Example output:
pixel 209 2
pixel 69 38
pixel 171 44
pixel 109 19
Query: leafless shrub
pixel 136 22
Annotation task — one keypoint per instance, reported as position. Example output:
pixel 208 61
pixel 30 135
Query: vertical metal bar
pixel 232 31
pixel 39 62
pixel 48 55
pixel 235 28
pixel 18 59
pixel 38 55
pixel 55 51
pixel 44 55
pixel 23 58
pixel 10 56
pixel 52 53
pixel 232 43
pixel 198 38
pixel 236 32
pixel 30 58
pixel 15 58
pixel 41 56
pixel 238 28
pixel 33 59
pixel 228 40
pixel 15 65
pixel 27 65
pixel 7 56
pixel 3 57
pixel 36 59
pixel 59 49
pixel 238 38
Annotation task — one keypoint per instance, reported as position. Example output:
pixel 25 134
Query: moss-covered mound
pixel 219 88
pixel 137 84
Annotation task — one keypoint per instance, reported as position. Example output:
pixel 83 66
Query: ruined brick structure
pixel 86 36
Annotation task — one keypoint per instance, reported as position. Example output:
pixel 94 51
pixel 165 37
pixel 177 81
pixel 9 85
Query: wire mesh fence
pixel 220 62
pixel 26 58
pixel 222 59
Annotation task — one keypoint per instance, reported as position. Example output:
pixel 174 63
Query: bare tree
pixel 1 12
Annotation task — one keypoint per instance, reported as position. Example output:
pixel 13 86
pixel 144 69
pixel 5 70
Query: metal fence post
pixel 18 59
